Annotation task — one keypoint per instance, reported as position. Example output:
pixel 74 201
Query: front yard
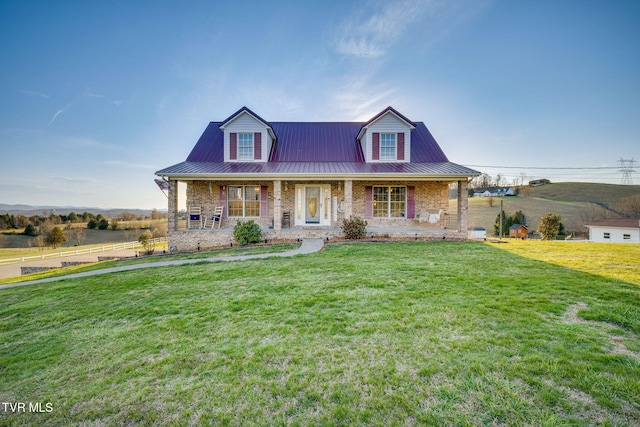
pixel 435 333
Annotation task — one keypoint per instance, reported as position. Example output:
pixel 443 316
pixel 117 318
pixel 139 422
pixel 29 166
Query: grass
pixel 417 333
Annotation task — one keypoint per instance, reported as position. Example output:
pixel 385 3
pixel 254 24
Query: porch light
pixel 286 186
pixel 339 185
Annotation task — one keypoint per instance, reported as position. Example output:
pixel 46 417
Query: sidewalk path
pixel 308 246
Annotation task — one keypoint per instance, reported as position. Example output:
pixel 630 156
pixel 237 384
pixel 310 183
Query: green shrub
pixel 146 239
pixel 246 233
pixel 354 228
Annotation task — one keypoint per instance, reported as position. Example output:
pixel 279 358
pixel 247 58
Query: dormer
pixel 247 137
pixel 386 138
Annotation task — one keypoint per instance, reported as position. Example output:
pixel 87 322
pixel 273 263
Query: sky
pixel 95 96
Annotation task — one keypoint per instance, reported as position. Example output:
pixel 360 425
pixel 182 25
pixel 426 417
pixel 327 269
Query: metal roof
pixel 617 222
pixel 336 170
pixel 322 149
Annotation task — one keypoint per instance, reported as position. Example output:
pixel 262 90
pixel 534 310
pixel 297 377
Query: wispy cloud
pixel 35 93
pixel 55 116
pixel 373 37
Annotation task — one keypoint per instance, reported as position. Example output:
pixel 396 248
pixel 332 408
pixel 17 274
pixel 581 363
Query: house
pixel 538 182
pixel 615 230
pixel 495 192
pixel 298 179
pixel 519 231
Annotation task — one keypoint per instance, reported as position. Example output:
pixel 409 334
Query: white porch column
pixel 172 208
pixel 277 205
pixel 348 198
pixel 463 206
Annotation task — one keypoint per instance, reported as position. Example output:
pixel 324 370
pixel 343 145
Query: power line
pixel 543 167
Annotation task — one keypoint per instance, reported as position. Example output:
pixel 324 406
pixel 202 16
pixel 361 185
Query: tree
pixel 550 226
pixel 55 237
pixel 92 224
pixel 30 230
pixel 630 206
pixel 78 234
pixel 114 224
pixel 103 224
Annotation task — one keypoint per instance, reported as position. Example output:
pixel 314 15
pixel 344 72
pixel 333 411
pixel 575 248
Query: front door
pixel 313 205
pixel 312 202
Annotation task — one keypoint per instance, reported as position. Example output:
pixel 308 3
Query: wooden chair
pixel 286 219
pixel 194 217
pixel 215 218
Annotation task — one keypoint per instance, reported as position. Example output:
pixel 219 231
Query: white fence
pixel 92 250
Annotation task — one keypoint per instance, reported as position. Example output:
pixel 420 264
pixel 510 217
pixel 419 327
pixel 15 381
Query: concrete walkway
pixel 308 246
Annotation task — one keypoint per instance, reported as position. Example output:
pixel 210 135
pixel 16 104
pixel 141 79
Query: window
pixel 245 146
pixel 243 201
pixel 387 146
pixel 626 236
pixel 389 202
pixel 607 235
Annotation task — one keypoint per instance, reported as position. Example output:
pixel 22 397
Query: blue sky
pixel 97 96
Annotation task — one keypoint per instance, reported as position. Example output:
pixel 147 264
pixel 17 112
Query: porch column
pixel 277 205
pixel 348 198
pixel 463 206
pixel 172 208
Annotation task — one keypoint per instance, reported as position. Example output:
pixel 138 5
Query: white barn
pixel 615 230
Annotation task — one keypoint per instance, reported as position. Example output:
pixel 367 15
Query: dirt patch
pixel 570 317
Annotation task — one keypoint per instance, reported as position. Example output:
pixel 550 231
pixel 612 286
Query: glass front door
pixel 312 211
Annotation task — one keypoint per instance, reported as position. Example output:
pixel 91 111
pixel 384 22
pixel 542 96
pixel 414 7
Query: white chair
pixel 215 218
pixel 194 217
pixel 431 217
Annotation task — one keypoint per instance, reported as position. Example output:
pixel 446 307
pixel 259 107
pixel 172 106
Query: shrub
pixel 92 224
pixel 354 228
pixel 146 239
pixel 103 224
pixel 114 224
pixel 247 232
pixel 550 226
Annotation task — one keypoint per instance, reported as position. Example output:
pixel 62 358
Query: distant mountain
pixel 29 210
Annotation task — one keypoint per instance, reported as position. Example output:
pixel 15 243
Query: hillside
pixel 577 203
pixel 607 194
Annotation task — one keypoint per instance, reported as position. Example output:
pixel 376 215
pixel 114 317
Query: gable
pixel 387 138
pixel 247 138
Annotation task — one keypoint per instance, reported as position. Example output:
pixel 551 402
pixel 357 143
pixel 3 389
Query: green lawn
pixel 437 333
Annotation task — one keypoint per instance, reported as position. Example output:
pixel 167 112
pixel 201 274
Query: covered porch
pixel 290 209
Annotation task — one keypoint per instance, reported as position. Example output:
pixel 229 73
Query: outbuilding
pixel 519 231
pixel 615 230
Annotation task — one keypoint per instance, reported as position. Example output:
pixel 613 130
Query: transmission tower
pixel 626 168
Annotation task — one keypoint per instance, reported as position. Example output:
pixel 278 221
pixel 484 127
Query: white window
pixel 389 202
pixel 245 146
pixel 387 146
pixel 243 201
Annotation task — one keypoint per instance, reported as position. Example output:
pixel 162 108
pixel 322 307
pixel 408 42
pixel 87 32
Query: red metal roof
pixel 617 222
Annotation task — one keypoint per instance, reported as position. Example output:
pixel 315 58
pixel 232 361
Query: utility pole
pixel 626 168
pixel 501 218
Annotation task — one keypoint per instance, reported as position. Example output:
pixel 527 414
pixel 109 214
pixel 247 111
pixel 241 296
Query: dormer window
pixel 245 146
pixel 388 146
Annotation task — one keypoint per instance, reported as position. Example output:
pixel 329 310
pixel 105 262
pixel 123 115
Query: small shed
pixel 479 233
pixel 518 231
